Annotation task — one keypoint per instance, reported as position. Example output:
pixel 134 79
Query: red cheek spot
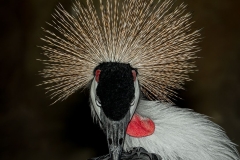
pixel 134 75
pixel 140 126
pixel 97 74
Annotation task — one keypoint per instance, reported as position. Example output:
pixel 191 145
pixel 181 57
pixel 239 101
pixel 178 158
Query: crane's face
pixel 114 97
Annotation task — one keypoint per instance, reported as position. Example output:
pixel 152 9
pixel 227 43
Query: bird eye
pixel 98 102
pixel 133 102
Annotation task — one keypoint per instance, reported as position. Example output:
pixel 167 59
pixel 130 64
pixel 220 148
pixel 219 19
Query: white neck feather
pixel 182 134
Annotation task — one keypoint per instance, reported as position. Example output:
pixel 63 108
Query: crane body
pixel 133 55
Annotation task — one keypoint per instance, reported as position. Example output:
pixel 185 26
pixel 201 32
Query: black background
pixel 31 129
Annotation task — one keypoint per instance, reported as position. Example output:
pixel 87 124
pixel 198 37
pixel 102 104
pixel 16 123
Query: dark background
pixel 31 129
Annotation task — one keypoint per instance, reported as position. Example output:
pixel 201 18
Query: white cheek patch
pixel 93 97
pixel 136 98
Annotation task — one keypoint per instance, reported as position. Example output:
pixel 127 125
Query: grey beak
pixel 115 132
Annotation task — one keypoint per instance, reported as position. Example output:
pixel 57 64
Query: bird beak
pixel 115 132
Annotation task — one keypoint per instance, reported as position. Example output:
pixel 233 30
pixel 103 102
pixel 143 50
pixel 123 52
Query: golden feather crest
pixel 155 41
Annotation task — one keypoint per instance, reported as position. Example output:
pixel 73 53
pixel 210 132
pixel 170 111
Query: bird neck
pixel 182 134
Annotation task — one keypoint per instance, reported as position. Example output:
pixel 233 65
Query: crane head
pixel 114 96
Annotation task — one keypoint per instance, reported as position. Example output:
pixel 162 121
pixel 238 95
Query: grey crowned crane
pixel 133 55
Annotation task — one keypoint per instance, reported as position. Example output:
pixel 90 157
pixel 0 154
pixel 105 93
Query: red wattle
pixel 140 126
pixel 97 74
pixel 134 75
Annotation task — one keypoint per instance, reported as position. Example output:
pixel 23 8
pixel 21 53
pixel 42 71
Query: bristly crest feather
pixel 155 41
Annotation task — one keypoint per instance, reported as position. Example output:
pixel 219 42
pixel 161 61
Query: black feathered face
pixel 114 96
pixel 115 89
